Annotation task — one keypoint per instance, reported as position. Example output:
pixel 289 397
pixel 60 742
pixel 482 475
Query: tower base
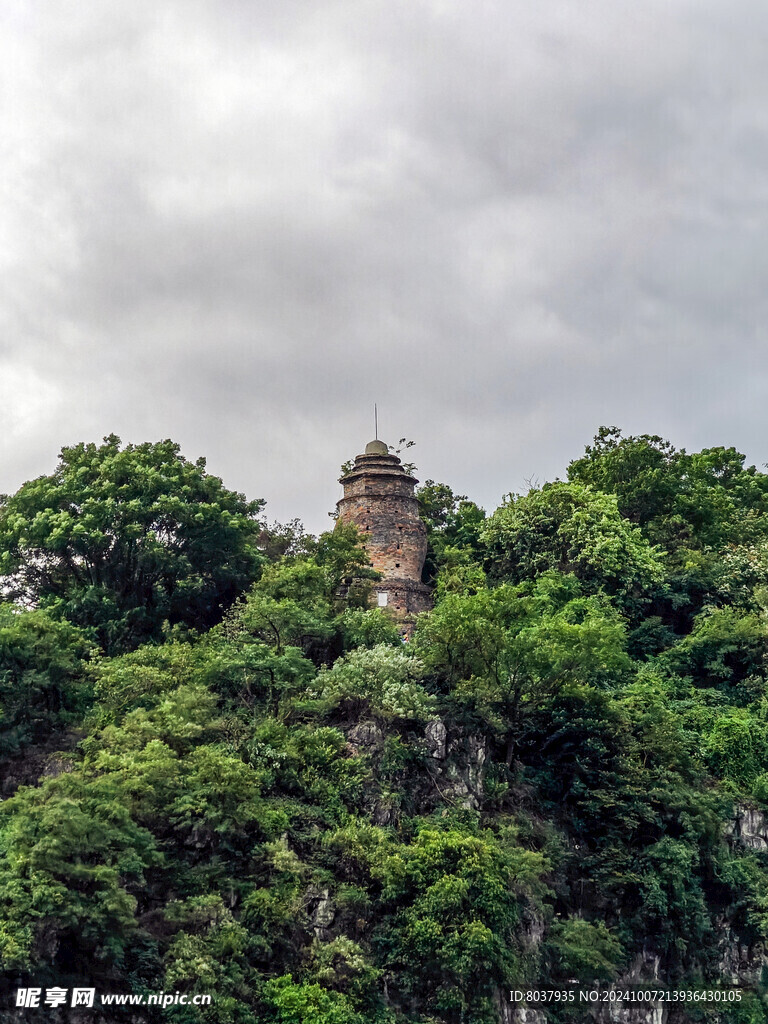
pixel 405 599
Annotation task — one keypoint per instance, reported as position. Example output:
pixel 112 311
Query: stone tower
pixel 379 500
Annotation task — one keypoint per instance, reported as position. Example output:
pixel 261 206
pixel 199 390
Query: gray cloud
pixel 239 225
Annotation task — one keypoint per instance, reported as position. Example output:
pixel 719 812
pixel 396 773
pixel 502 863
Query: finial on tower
pixel 376 448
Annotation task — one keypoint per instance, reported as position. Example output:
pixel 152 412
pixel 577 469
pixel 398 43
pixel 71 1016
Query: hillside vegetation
pixel 217 777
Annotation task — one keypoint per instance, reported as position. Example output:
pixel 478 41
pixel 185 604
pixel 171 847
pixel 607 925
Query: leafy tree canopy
pixel 121 539
pixel 563 774
pixel 572 528
pixel 454 524
pixel 43 684
pixel 698 499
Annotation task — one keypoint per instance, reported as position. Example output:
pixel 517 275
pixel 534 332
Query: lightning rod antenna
pixel 376 420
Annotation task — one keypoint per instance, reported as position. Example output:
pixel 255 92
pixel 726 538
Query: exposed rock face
pixel 368 736
pixel 461 773
pixel 527 1015
pixel 436 735
pixel 740 963
pixel 508 1013
pixel 635 1013
pixel 644 968
pixel 379 499
pixel 476 754
pixel 603 1013
pixel 322 913
pixel 749 828
pixel 46 759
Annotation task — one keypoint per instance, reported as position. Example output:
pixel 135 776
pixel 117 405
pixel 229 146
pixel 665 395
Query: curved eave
pixel 382 473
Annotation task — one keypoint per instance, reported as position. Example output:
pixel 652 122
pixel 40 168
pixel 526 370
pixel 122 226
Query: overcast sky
pixel 238 223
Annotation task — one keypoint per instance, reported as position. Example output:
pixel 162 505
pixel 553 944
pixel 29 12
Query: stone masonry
pixel 379 499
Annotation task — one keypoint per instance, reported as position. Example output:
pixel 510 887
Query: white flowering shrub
pixel 741 576
pixel 381 681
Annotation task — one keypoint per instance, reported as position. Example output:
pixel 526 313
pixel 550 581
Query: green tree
pixel 72 861
pixel 694 500
pixel 456 897
pixel 573 529
pixel 122 539
pixel 381 682
pixel 289 1002
pixel 454 525
pixel 727 649
pixel 643 472
pixel 584 950
pixel 505 652
pixel 367 627
pixel 209 955
pixel 346 564
pixel 43 683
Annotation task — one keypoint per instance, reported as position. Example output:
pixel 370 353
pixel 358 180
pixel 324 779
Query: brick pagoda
pixel 379 499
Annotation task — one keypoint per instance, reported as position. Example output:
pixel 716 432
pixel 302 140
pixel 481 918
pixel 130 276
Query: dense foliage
pixel 120 540
pixel 274 800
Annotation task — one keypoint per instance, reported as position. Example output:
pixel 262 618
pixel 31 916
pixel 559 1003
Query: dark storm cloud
pixel 240 225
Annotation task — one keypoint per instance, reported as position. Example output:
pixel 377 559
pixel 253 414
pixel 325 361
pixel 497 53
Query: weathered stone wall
pixel 396 543
pixel 379 499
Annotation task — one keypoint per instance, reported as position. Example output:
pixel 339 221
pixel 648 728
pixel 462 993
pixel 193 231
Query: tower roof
pixel 376 448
